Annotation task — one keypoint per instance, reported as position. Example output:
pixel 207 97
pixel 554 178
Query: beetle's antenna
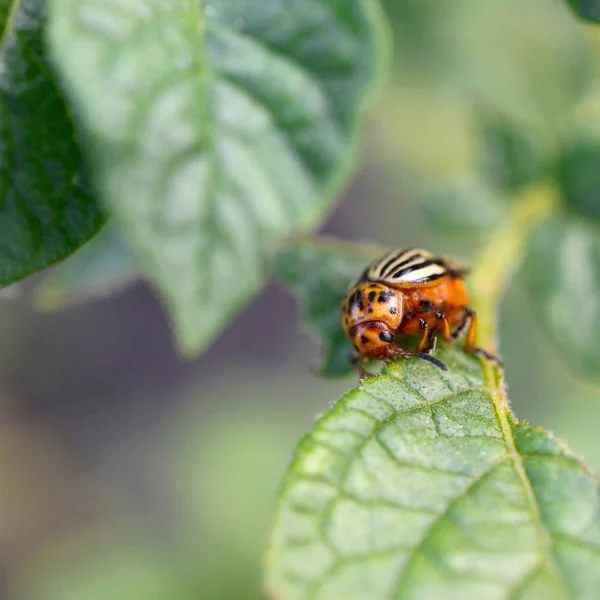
pixel 435 361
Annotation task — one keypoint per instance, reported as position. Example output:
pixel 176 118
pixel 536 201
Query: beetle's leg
pixel 458 332
pixel 355 359
pixel 446 330
pixel 425 337
pixel 471 335
pixel 432 339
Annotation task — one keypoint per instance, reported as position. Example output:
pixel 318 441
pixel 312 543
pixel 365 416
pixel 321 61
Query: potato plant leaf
pixel 46 210
pixel 422 484
pixel 319 273
pixel 562 274
pixel 216 129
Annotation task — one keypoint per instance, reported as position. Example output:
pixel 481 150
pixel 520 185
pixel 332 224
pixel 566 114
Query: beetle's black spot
pixel 386 336
pixel 370 309
pixel 372 296
pixel 393 310
pixel 364 339
pixel 408 316
pixel 359 300
pixel 384 296
pixel 426 304
pixel 373 286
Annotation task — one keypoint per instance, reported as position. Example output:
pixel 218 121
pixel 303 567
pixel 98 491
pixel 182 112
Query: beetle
pixel 408 292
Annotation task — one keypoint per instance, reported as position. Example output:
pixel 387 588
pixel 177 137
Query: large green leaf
pixel 421 484
pixel 46 210
pixel 562 274
pixel 216 130
pixel 319 274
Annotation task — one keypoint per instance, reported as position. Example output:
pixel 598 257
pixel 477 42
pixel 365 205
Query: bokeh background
pixel 129 474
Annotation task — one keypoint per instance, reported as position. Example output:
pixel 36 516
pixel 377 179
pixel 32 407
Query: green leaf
pixel 216 131
pixel 562 275
pixel 588 10
pixel 319 274
pixel 103 266
pixel 510 156
pixel 46 210
pixel 578 174
pixel 419 485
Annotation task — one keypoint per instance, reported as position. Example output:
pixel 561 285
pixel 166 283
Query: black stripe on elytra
pixel 427 263
pixel 405 270
pixel 406 261
pixel 395 256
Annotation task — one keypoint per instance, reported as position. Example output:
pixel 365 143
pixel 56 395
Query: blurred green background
pixel 128 474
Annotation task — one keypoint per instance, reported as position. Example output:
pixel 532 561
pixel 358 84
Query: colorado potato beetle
pixel 408 292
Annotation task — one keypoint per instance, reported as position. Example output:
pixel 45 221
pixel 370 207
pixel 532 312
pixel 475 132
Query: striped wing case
pixel 408 266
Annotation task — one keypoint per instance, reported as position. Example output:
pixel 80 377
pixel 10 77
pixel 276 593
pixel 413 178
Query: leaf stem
pixel 501 256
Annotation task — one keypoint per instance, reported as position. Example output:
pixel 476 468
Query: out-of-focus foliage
pixel 464 205
pixel 415 485
pixel 216 130
pixel 105 265
pixel 586 9
pixel 562 275
pixel 508 156
pixel 88 567
pixel 579 178
pixel 319 274
pixel 46 209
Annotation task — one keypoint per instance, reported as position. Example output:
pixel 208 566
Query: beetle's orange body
pixel 408 292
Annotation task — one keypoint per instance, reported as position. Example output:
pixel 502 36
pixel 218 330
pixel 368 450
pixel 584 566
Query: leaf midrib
pixel 494 384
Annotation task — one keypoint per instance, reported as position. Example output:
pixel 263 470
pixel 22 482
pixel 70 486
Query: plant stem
pixel 502 255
